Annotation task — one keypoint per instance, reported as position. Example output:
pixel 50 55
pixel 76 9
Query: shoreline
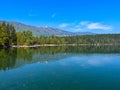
pixel 45 45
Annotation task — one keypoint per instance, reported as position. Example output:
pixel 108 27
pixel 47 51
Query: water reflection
pixel 14 58
pixel 94 60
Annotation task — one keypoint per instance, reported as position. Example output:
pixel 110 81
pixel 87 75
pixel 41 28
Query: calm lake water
pixel 60 68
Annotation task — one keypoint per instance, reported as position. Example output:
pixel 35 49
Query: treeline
pixel 9 36
pixel 26 38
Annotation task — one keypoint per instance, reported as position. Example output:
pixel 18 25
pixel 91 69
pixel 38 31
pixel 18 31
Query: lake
pixel 60 68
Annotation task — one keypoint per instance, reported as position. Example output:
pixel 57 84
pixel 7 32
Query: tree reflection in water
pixel 16 57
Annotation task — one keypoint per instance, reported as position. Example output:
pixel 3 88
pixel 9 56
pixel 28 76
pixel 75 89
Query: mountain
pixel 45 31
pixel 84 33
pixel 40 31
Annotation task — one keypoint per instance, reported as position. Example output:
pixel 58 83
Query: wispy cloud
pixel 53 15
pixel 86 26
pixel 63 25
pixel 82 23
pixel 100 26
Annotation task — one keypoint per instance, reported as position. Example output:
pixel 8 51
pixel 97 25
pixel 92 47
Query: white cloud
pixel 100 26
pixel 63 25
pixel 84 23
pixel 53 15
pixel 86 26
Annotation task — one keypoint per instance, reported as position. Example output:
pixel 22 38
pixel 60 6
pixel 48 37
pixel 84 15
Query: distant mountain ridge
pixel 45 31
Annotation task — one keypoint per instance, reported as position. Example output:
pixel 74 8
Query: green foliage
pixel 102 39
pixel 3 34
pixel 24 38
pixel 7 35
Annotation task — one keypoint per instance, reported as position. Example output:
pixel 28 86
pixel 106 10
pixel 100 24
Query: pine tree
pixel 4 38
pixel 13 36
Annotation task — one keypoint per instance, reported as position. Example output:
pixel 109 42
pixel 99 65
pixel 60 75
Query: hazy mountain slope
pixel 45 31
pixel 41 31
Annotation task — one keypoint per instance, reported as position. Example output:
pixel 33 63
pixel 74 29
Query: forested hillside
pixel 9 37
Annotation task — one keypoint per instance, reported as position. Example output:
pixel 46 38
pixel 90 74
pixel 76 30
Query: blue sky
pixel 99 16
